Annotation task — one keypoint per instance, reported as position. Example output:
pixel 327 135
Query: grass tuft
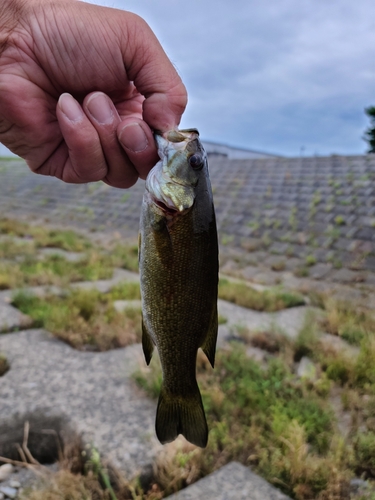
pixel 126 291
pixel 262 417
pixel 348 321
pixel 268 300
pixel 85 319
pixel 126 256
pixel 54 270
pixel 65 239
pixel 4 366
pixel 65 485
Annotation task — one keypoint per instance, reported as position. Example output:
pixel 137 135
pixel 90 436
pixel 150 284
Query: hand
pixel 81 88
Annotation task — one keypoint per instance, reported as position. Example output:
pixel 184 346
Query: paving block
pixel 91 393
pixel 11 318
pixel 232 482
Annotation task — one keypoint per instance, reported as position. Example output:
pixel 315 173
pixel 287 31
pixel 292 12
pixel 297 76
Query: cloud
pixel 273 75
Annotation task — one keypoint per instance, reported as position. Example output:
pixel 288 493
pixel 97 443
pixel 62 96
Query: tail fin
pixel 181 415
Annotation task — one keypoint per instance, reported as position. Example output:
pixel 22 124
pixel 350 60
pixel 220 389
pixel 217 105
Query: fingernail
pixel 100 108
pixel 70 107
pixel 133 137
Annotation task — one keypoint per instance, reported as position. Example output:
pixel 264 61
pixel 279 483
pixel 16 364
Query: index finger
pixel 154 76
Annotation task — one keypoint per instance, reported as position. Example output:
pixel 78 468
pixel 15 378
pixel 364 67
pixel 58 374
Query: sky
pixel 289 77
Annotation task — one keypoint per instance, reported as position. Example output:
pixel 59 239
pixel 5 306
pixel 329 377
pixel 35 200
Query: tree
pixel 370 132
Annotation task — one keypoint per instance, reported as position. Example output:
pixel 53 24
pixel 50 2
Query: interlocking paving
pixel 312 216
pixel 233 481
pixel 93 395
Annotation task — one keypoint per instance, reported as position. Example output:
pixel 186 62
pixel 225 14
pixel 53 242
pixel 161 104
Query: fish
pixel 178 264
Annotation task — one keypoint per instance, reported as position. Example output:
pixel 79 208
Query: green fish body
pixel 178 262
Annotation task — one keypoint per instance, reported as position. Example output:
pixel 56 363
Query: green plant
pixel 302 272
pixel 4 366
pixel 278 265
pixel 339 220
pixel 226 239
pixel 263 417
pixel 127 290
pixel 310 260
pixel 293 219
pixel 369 136
pixel 54 270
pixel 125 256
pixel 347 320
pixel 364 453
pixel 82 318
pixel 268 300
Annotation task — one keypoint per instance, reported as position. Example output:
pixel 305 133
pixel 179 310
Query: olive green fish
pixel 178 261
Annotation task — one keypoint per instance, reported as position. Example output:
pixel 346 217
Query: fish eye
pixel 196 161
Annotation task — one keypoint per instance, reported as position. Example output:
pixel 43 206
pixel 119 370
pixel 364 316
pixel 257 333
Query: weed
pixel 307 341
pixel 125 291
pixel 302 272
pixel 364 453
pixel 266 240
pixel 263 417
pixel 293 219
pixel 226 239
pixel 348 321
pixel 4 366
pixel 222 319
pixel 332 232
pixel 364 369
pixel 54 270
pixel 339 220
pixel 150 377
pixel 63 238
pixel 278 265
pixel 9 248
pixel 66 485
pixel 177 466
pixel 81 475
pixel 58 238
pixel 267 341
pixel 254 224
pixel 268 300
pixel 310 260
pixel 125 256
pixel 125 197
pixel 85 319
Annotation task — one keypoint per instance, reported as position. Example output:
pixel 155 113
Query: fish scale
pixel 179 276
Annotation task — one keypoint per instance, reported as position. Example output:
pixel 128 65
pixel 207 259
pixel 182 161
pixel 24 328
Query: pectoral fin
pixel 147 344
pixel 209 344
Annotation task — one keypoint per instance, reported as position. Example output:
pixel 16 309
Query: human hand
pixel 81 89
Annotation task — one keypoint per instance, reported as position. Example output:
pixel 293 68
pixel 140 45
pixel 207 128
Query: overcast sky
pixel 273 76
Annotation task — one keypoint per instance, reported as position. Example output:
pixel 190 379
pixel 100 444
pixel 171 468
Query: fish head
pixel 172 182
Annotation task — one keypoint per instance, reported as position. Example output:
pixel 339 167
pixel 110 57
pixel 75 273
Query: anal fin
pixel 147 344
pixel 209 344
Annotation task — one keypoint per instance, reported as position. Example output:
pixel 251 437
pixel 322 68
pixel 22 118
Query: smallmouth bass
pixel 178 263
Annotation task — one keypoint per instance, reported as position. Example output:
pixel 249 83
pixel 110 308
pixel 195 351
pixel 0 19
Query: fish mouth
pixel 169 212
pixel 165 208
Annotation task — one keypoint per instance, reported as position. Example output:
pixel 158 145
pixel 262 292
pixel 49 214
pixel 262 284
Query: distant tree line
pixel 370 132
